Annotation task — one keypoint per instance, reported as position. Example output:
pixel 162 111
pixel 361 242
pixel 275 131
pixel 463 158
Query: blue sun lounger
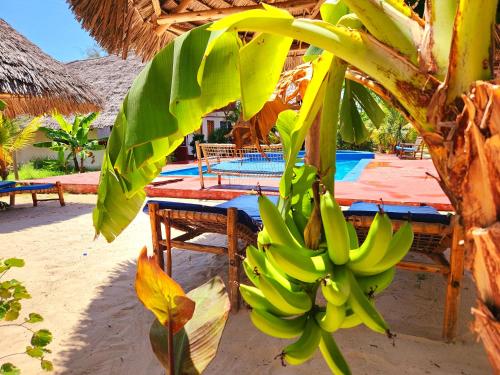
pixel 238 219
pixel 12 188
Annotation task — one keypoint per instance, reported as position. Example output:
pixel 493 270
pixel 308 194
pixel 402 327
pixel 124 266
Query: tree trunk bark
pixel 75 161
pixel 467 158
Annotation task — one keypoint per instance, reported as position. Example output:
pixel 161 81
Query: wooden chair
pixel 411 150
pixel 12 188
pixel 432 239
pixel 195 220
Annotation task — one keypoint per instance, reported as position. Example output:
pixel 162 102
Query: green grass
pixel 28 172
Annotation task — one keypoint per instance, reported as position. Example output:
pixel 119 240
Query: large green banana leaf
pixel 167 101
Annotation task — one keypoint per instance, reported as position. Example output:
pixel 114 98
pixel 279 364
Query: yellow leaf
pixel 160 294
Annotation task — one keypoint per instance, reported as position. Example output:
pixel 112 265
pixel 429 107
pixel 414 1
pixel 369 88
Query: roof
pixel 111 77
pixel 146 26
pixel 31 82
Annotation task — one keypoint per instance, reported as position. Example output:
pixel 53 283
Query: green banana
pixel 337 287
pixel 332 355
pixel 300 263
pixel 278 327
pixel 293 228
pixel 274 224
pixel 288 301
pixel 304 348
pixel 331 319
pixel 375 245
pixel 353 236
pixel 351 320
pixel 337 235
pixel 398 248
pixel 263 238
pixel 362 307
pixel 256 300
pixel 250 271
pixel 373 285
pixel 262 263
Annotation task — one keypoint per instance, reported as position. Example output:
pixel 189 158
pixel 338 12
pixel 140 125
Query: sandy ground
pixel 84 289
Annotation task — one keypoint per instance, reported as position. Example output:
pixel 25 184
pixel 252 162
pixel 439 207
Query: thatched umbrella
pixel 33 83
pixel 146 26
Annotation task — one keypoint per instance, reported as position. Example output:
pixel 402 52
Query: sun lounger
pixel 11 189
pixel 410 150
pixel 434 234
pixel 238 219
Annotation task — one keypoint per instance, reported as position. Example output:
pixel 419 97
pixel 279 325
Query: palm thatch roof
pixel 110 77
pixel 146 26
pixel 31 82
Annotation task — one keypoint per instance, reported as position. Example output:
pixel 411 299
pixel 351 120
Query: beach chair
pixel 238 219
pixel 12 188
pixel 411 150
pixel 434 234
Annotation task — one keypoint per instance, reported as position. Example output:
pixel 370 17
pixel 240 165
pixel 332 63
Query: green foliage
pixel 28 171
pixel 71 141
pixel 394 130
pixel 12 292
pixel 200 137
pixel 13 137
pixel 219 135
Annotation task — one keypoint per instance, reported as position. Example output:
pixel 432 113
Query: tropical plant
pixel 12 292
pixel 71 140
pixel 197 137
pixel 436 71
pixel 219 135
pixel 188 327
pixel 13 137
pixel 395 129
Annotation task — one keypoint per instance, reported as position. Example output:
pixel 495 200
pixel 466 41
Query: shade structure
pixel 146 26
pixel 33 83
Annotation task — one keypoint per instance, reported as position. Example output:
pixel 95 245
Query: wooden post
pixel 60 193
pixel 12 199
pixel 35 201
pixel 168 240
pixel 200 164
pixel 156 233
pixel 234 262
pixel 452 303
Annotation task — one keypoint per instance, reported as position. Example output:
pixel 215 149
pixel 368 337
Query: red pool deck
pixel 386 178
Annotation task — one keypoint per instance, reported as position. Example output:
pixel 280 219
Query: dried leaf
pixel 161 294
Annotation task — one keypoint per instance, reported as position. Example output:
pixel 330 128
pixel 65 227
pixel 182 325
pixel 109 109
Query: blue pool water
pixel 350 164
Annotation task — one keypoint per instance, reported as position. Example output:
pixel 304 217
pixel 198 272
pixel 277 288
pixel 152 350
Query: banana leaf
pixel 196 344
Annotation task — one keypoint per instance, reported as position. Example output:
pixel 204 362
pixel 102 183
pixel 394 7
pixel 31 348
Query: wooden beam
pixel 215 14
pixel 156 7
pixel 178 9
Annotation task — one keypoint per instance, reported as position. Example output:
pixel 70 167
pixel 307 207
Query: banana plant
pixel 437 70
pixel 14 137
pixel 71 140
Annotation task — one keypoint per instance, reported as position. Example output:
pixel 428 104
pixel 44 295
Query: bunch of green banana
pixel 294 260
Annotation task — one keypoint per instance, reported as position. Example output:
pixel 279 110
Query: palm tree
pixel 437 71
pixel 71 140
pixel 14 137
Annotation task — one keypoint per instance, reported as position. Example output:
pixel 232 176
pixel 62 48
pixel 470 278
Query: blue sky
pixel 50 25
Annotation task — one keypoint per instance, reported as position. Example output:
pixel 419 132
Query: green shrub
pixel 196 137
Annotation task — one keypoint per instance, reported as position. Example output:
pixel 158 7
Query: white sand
pixel 84 289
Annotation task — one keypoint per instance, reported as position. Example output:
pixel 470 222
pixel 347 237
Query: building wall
pixel 30 152
pixel 216 117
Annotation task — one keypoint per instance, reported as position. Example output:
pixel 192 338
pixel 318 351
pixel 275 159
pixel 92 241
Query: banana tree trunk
pixel 467 159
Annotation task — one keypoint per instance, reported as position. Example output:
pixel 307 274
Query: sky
pixel 50 25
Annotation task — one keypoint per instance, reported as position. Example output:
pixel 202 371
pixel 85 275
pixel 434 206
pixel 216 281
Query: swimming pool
pixel 350 164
